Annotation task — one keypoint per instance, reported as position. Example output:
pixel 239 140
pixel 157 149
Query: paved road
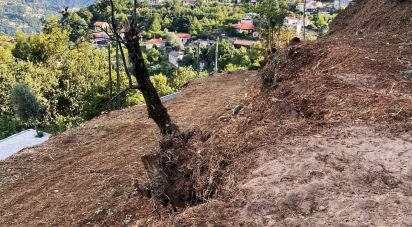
pixel 19 141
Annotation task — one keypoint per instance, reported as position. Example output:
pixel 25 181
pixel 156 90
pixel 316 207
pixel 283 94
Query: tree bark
pixel 155 108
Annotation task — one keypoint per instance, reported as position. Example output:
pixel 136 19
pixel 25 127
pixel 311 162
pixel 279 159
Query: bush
pixel 8 126
pixel 25 104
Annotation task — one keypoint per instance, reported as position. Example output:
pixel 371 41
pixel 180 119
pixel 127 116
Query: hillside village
pixel 247 33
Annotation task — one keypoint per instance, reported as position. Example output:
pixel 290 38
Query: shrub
pixel 8 126
pixel 26 104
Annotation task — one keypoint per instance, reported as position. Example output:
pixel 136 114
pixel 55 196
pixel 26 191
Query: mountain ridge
pixel 25 15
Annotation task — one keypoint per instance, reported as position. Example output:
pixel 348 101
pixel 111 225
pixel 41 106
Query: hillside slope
pixel 87 175
pixel 371 16
pixel 25 15
pixel 328 145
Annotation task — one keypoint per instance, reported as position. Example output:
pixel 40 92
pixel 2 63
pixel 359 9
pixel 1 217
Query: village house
pixel 243 43
pixel 202 65
pixel 100 26
pixel 189 2
pixel 244 26
pixel 100 34
pixel 153 2
pixel 290 21
pixel 159 43
pixel 337 4
pixel 295 24
pixel 175 58
pixel 184 37
pixel 257 35
pixel 100 38
pixel 311 6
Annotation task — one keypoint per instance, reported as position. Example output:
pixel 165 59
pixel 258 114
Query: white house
pixel 340 3
pixel 295 23
pixel 290 21
pixel 184 37
pixel 175 57
pixel 310 6
pixel 100 26
pixel 257 35
pixel 189 2
pixel 154 2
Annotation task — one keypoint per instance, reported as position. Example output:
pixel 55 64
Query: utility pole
pixel 198 62
pixel 110 78
pixel 117 75
pixel 216 53
pixel 304 20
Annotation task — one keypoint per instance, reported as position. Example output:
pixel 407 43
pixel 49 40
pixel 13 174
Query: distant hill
pixel 25 15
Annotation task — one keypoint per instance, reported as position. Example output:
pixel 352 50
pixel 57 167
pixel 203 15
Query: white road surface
pixel 19 141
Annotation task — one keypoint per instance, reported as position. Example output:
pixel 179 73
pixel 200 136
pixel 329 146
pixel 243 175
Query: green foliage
pixel 256 51
pixel 25 103
pixel 321 22
pixel 70 80
pixel 76 23
pixel 173 40
pixel 161 85
pixel 39 48
pixel 8 126
pixel 153 55
pixel 241 57
pixel 5 55
pixel 182 76
pixel 272 14
pixel 26 14
pixel 231 68
pixel 156 26
pixel 69 77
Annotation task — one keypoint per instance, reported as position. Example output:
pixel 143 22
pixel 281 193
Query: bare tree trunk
pixel 155 108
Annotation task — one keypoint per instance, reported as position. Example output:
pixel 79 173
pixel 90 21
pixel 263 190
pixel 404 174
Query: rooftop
pixel 244 42
pixel 184 35
pixel 155 40
pixel 246 25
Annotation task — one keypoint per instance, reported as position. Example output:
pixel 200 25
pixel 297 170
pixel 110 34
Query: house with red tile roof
pixel 158 42
pixel 243 43
pixel 244 26
pixel 184 37
pixel 100 26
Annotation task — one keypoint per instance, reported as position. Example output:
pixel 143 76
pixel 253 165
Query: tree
pixel 155 26
pixel 272 14
pixel 226 51
pixel 160 83
pixel 241 57
pixel 320 22
pixel 182 76
pixel 26 105
pixel 173 40
pixel 138 69
pixel 256 51
pixel 153 55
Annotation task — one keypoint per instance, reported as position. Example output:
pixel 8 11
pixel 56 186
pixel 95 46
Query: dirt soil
pixel 86 176
pixel 329 144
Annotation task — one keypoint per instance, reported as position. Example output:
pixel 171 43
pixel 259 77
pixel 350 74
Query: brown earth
pixel 86 176
pixel 371 16
pixel 329 144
